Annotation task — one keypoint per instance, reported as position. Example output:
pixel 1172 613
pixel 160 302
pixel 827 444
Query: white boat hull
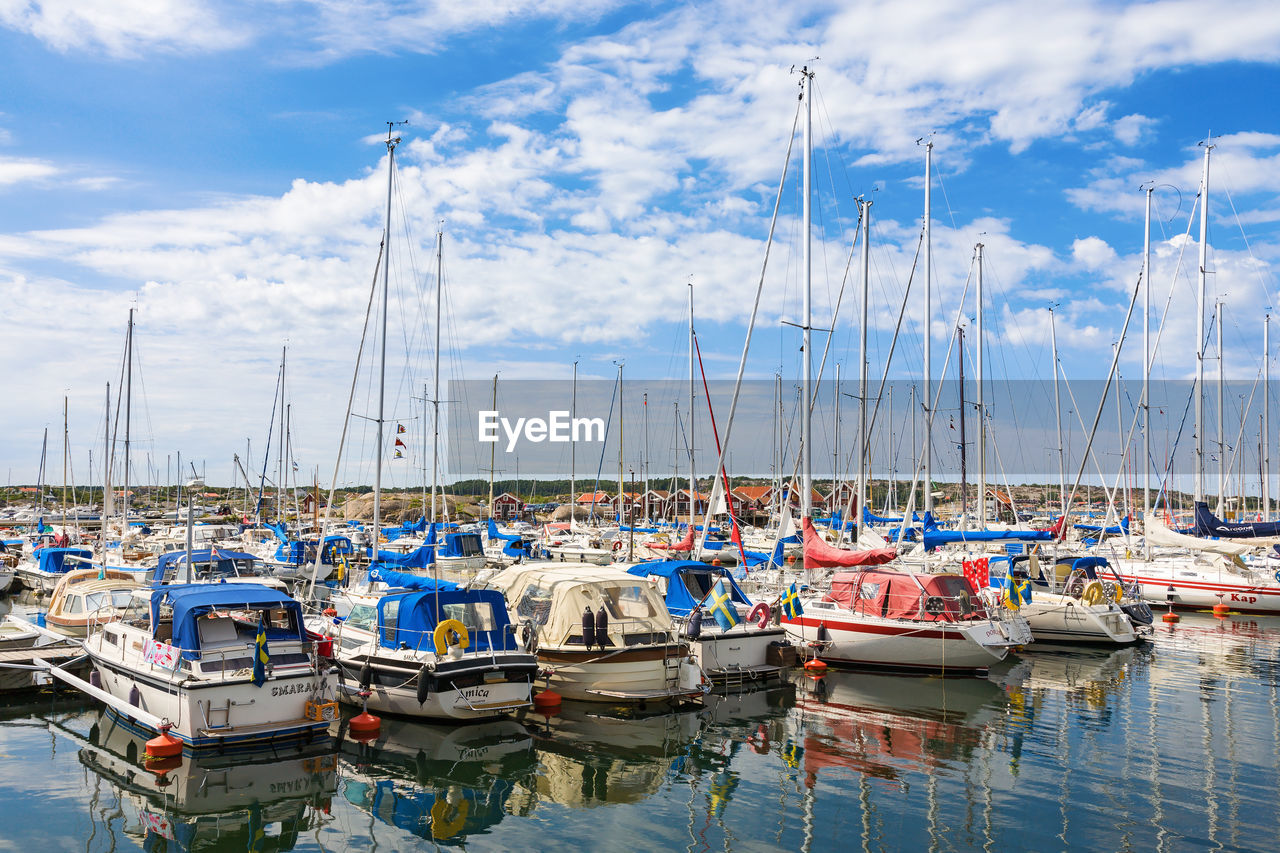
pixel 1061 619
pixel 1200 587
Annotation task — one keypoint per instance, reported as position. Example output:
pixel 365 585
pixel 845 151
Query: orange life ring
pixel 763 609
pixel 617 544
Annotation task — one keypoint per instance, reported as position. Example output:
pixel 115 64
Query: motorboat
pixel 41 571
pixel 86 598
pixel 442 653
pixel 603 634
pixel 693 592
pixel 220 664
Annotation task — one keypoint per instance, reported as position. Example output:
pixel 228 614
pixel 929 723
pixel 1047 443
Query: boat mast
pixel 621 496
pixel 1146 370
pixel 982 414
pixel 106 473
pixel 1265 452
pixel 1202 286
pixel 128 401
pixel 573 449
pixel 494 446
pixel 392 142
pixel 964 480
pixel 1222 437
pixel 645 465
pixel 835 468
pixel 693 479
pixel 282 475
pixel 1057 416
pixel 928 318
pixel 806 410
pixel 435 395
pixel 863 460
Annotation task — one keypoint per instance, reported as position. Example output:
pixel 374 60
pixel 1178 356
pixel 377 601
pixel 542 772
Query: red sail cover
pixel 819 555
pixel 685 544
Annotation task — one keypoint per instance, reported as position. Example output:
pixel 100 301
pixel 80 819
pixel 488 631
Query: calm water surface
pixel 1174 745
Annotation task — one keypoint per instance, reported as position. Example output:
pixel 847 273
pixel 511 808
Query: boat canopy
pixel 406 580
pixel 205 563
pixel 687 583
pixel 1208 524
pixel 53 561
pixel 935 537
pixel 904 595
pixel 514 545
pixel 553 597
pixel 410 619
pixel 191 601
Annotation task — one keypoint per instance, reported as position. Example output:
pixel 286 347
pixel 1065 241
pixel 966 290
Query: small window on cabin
pixel 363 616
pixel 476 615
pixel 629 602
pixel 75 604
pixel 869 591
pixel 390 612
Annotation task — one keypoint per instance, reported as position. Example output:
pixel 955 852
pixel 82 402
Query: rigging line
pixel 266 453
pixel 604 446
pixel 1258 267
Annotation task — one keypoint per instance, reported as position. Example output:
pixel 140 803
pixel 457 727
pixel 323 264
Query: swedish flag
pixel 791 603
pixel 721 604
pixel 261 657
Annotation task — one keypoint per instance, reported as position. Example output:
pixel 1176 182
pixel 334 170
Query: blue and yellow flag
pixel 720 602
pixel 791 603
pixel 261 657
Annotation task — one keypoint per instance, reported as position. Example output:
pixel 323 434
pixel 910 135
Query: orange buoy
pixel 1171 617
pixel 1221 610
pixel 814 665
pixel 162 766
pixel 364 722
pixel 546 699
pixel 791 558
pixel 163 745
pixel 715 561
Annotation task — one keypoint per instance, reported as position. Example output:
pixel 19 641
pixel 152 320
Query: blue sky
pixel 219 166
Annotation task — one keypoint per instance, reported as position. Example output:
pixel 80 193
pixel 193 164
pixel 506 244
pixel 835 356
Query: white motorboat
pixel 1069 603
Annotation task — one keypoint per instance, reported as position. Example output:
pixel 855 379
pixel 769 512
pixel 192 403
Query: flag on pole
pixel 791 603
pixel 261 657
pixel 721 604
pixel 400 430
pixel 975 572
pixel 399 455
pixel 400 443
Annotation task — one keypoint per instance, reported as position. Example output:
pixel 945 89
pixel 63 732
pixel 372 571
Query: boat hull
pixel 639 674
pixel 935 647
pixel 1198 588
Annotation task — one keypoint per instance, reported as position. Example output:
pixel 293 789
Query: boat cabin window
pixel 118 598
pixel 74 604
pixel 363 616
pixel 476 615
pixel 217 631
pixel 629 602
pixel 390 614
pixel 698 583
pixel 535 604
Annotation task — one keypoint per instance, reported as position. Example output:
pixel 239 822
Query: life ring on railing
pixel 765 613
pixel 1093 593
pixel 617 544
pixel 441 635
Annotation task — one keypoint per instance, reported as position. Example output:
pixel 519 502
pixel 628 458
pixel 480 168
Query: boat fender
pixel 424 684
pixel 366 675
pixel 694 628
pixel 443 634
pixel 602 627
pixel 1093 593
pixel 588 627
pixel 824 636
pixel 760 614
pixel 134 695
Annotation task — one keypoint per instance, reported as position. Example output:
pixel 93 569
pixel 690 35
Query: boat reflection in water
pixel 441 783
pixel 260 802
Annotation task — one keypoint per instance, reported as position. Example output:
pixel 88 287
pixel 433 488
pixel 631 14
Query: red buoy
pixel 1171 617
pixel 546 699
pixel 1221 610
pixel 163 745
pixel 815 666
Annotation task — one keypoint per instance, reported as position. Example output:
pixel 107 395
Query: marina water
pixel 1171 745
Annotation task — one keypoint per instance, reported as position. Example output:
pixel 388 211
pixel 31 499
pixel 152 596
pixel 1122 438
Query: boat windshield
pixel 629 602
pixel 118 598
pixel 363 616
pixel 476 615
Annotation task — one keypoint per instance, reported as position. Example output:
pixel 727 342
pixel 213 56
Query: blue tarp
pixel 515 545
pixel 419 558
pixel 54 560
pixel 688 582
pixel 1208 524
pixel 1121 529
pixel 191 601
pixel 871 518
pixel 410 618
pixel 407 580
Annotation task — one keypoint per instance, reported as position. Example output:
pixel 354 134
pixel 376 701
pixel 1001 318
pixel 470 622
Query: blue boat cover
pixel 688 582
pixel 935 537
pixel 406 580
pixel 54 560
pixel 410 618
pixel 191 601
pixel 1122 529
pixel 515 546
pixel 223 563
pixel 1208 524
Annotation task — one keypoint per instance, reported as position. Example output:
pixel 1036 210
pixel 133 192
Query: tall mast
pixel 964 478
pixel 835 468
pixel 1222 436
pixel 693 478
pixel 66 448
pixel 282 474
pixel 128 401
pixel 392 142
pixel 982 414
pixel 1201 290
pixel 928 319
pixel 435 394
pixel 1265 452
pixel 863 460
pixel 621 496
pixel 573 449
pixel 645 465
pixel 494 446
pixel 1057 417
pixel 806 409
pixel 106 472
pixel 1146 367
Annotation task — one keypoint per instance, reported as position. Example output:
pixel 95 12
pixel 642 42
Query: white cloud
pixel 1093 253
pixel 15 170
pixel 121 28
pixel 1132 129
